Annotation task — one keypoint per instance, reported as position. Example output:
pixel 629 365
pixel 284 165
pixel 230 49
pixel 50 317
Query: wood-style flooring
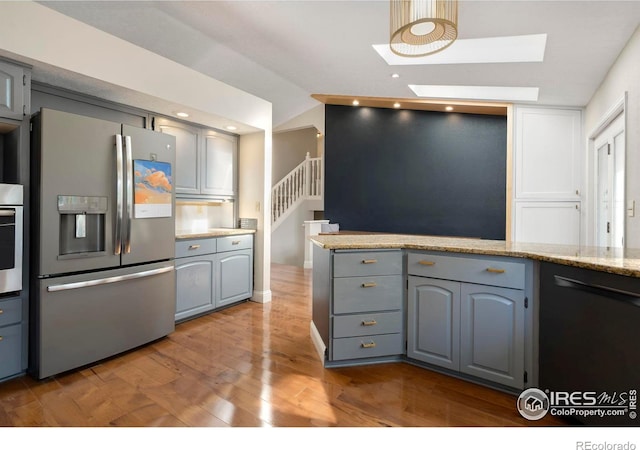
pixel 252 365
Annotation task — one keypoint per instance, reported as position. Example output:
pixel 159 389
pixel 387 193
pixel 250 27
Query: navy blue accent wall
pixel 417 172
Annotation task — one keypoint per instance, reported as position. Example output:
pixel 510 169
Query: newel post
pixel 307 175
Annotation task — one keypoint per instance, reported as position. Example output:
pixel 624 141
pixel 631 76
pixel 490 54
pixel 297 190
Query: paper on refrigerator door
pixel 153 186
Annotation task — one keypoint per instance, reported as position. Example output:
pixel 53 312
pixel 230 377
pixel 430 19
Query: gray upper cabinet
pixel 15 91
pixel 218 164
pixel 206 160
pixel 187 176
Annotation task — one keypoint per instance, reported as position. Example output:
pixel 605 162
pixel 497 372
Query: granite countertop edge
pixel 212 233
pixel 614 261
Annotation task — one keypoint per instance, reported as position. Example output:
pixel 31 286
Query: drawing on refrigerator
pixel 103 279
pixel 153 188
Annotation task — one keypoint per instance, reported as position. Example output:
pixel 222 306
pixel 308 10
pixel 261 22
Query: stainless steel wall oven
pixel 11 204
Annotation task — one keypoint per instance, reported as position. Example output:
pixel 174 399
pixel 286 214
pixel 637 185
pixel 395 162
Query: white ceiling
pixel 284 51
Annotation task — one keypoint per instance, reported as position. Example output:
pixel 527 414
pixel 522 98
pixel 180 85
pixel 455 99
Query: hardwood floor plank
pixel 252 365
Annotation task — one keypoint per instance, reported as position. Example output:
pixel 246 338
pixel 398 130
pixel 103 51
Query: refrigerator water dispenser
pixel 82 225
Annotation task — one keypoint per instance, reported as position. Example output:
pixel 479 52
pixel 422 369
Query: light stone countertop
pixel 212 233
pixel 616 261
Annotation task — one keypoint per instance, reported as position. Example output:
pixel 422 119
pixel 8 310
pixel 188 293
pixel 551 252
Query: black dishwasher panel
pixel 589 335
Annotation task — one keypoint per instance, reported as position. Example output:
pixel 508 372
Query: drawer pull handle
pixel 369 323
pixel 368 344
pixel 492 270
pixel 422 262
pixel 194 247
pixel 1 311
pixel 368 285
pixel 369 261
pixel 235 242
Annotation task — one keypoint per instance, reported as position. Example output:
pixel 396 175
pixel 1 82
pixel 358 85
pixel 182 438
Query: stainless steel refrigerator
pixel 103 233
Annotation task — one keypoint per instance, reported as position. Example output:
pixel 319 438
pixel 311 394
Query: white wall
pixel 313 117
pixel 623 76
pixel 290 149
pixel 288 240
pixel 254 187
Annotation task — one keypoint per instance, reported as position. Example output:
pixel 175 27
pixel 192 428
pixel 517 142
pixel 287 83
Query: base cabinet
pixel 235 276
pixel 466 327
pixel 492 334
pixel 366 305
pixel 433 325
pixel 212 273
pixel 195 284
pixel 12 339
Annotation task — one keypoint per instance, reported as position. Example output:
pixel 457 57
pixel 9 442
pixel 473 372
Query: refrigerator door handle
pixel 119 196
pixel 130 188
pixel 100 281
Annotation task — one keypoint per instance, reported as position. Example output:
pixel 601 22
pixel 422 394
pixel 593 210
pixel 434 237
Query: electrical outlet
pixel 631 208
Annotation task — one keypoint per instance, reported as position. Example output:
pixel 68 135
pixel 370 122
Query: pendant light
pixel 423 27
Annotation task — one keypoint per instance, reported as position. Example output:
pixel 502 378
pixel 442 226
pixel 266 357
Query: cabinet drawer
pixel 10 350
pixel 367 263
pixel 362 294
pixel 10 311
pixel 367 346
pixel 367 324
pixel 489 271
pixel 228 243
pixel 194 247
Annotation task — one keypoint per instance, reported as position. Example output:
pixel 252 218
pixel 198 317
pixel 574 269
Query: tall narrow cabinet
pixel 548 175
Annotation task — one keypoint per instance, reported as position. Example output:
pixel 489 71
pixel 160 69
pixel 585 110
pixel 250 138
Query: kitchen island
pixel 492 312
pixel 214 269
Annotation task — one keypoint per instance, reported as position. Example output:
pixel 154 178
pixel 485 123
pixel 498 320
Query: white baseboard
pixel 317 340
pixel 261 296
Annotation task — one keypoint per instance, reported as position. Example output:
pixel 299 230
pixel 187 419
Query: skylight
pixel 494 93
pixel 507 49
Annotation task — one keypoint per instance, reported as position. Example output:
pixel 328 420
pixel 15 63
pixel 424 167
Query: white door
pixel 610 185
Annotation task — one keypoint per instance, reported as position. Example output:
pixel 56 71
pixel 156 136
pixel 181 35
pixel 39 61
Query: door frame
pixel 617 110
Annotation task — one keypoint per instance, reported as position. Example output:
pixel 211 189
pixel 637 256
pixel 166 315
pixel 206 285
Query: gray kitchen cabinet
pixel 234 269
pixel 12 339
pixel 195 277
pixel 366 305
pixel 212 272
pixel 187 176
pixel 15 94
pixel 219 162
pixel 467 314
pixel 206 160
pixel 195 285
pixel 492 333
pixel 433 322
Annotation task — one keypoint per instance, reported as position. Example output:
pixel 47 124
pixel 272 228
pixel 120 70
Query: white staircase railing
pixel 305 182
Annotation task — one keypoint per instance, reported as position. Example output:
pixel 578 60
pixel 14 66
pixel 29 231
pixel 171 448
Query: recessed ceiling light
pixel 395 75
pixel 182 114
pixel 499 93
pixel 231 128
pixel 396 105
pixel 355 103
pixel 449 108
pixel 507 49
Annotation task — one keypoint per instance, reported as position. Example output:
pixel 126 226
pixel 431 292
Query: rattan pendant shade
pixel 423 27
